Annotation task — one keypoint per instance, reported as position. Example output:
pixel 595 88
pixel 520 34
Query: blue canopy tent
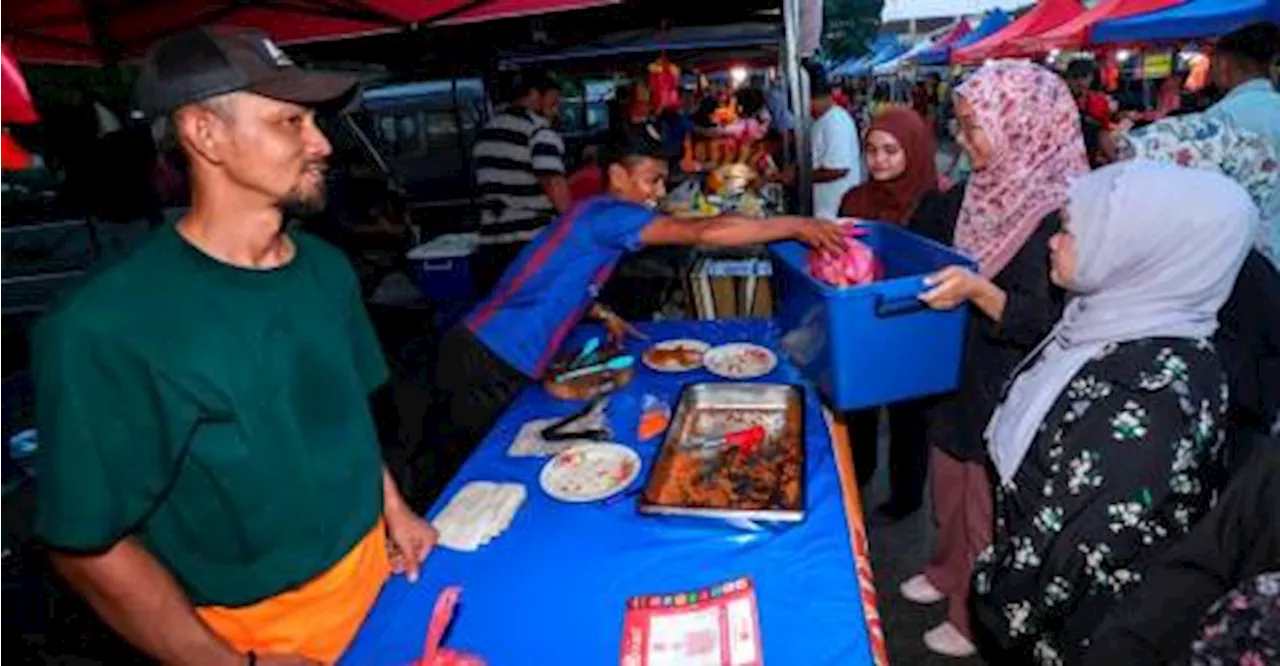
pixel 1195 19
pixel 859 66
pixel 993 22
pixel 856 63
pixel 881 58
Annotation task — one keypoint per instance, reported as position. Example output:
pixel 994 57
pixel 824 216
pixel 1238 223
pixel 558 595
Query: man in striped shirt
pixel 520 174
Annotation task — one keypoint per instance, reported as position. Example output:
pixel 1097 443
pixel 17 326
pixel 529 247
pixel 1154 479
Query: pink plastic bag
pixel 433 654
pixel 856 265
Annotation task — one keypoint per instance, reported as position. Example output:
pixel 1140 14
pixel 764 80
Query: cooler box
pixel 442 267
pixel 874 344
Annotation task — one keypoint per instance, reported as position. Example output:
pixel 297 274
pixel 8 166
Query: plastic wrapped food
pixel 857 265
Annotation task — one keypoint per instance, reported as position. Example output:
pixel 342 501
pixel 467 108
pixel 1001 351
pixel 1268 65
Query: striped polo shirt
pixel 551 284
pixel 512 152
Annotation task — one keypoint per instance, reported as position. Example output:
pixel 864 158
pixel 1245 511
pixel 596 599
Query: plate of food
pixel 740 360
pixel 679 355
pixel 589 472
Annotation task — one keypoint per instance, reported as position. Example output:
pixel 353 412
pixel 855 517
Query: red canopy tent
pixel 957 32
pixel 1074 34
pixel 95 31
pixel 1045 16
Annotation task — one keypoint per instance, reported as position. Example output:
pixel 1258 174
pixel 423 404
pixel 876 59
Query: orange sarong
pixel 317 620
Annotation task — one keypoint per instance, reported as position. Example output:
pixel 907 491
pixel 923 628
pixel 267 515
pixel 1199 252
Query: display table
pixel 552 588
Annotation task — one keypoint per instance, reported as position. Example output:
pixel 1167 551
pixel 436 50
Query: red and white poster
pixel 715 626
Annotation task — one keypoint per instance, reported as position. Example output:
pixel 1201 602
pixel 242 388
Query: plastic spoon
pixel 613 364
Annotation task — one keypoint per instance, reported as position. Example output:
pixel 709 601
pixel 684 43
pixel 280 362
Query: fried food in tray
pixel 697 473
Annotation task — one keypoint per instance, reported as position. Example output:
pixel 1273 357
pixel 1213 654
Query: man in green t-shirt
pixel 210 477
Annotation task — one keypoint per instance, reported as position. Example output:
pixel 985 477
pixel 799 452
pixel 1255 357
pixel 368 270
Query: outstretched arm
pixel 737 230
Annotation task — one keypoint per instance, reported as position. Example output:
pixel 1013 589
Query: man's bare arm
pixel 138 598
pixel 825 175
pixel 557 189
pixel 738 230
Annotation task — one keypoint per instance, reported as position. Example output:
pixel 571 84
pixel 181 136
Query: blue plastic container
pixel 874 344
pixel 442 267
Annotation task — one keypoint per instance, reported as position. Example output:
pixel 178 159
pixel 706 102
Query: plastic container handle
pixel 433 265
pixel 894 307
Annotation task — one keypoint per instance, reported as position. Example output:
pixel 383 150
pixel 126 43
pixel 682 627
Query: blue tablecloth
pixel 552 588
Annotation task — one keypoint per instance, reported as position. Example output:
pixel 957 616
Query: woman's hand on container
pixel 951 287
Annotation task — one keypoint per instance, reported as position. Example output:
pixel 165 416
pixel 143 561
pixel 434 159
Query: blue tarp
pixel 552 588
pixel 1193 20
pixel 993 22
pixel 864 64
pixel 881 43
pixel 686 38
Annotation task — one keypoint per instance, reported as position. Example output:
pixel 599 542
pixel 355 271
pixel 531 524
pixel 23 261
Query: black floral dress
pixel 1242 628
pixel 1127 460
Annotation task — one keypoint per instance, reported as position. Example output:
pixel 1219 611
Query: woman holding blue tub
pixel 1021 129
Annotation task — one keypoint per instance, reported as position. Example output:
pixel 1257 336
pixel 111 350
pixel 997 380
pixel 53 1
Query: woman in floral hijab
pixel 1020 126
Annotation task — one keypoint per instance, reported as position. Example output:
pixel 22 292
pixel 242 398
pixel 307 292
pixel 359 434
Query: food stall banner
pixel 15 98
pixel 1195 19
pixel 993 22
pixel 87 33
pixel 1045 16
pixel 1157 64
pixel 1074 34
pixel 553 588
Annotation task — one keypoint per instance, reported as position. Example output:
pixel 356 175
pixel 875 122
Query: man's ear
pixel 617 175
pixel 201 132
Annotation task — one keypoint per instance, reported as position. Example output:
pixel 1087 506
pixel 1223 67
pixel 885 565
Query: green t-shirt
pixel 218 414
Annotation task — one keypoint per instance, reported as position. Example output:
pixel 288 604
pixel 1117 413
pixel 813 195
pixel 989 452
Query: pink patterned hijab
pixel 1032 121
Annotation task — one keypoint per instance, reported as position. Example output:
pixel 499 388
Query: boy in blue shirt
pixel 509 339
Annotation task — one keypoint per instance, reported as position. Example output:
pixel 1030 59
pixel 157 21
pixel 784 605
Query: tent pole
pixel 798 88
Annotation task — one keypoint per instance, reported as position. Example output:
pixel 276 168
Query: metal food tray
pixel 702 411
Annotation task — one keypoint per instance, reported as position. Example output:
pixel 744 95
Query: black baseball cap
pixel 200 63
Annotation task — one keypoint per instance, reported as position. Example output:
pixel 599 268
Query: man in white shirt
pixel 837 157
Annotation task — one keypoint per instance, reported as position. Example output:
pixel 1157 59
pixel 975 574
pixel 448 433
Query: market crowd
pixel 1104 480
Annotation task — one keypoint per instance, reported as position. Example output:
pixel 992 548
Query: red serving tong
pixel 433 654
pixel 746 441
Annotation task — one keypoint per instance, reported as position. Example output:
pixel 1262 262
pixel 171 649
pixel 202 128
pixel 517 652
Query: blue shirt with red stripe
pixel 552 283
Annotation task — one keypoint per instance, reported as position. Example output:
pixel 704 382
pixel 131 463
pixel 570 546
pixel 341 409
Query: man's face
pixel 641 181
pixel 268 146
pixel 549 105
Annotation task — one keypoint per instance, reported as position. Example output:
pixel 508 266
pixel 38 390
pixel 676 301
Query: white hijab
pixel 1158 249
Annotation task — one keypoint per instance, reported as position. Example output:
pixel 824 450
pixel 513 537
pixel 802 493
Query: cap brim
pixel 309 88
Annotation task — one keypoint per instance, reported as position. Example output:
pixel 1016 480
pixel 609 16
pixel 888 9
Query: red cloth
pixel 1096 106
pixel 664 86
pixel 12 156
pixel 15 98
pixel 585 183
pixel 894 200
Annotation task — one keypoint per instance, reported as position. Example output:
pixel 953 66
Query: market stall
pixel 554 586
pixel 994 21
pixel 1194 19
pixel 1076 33
pixel 710 461
pixel 1045 16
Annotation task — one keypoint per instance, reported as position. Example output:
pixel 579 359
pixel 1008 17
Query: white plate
pixel 740 360
pixel 589 472
pixel 687 343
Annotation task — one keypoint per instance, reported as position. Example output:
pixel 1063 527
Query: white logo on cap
pixel 279 57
